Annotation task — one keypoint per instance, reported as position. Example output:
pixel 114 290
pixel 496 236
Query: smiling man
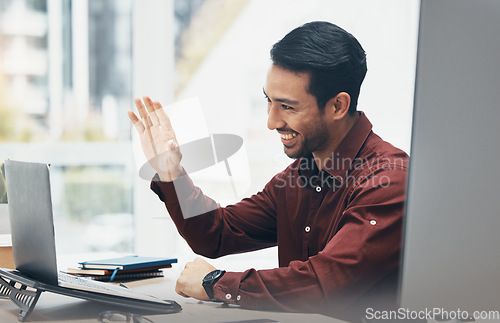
pixel 335 213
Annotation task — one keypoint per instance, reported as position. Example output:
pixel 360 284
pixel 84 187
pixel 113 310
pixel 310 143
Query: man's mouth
pixel 288 139
pixel 288 136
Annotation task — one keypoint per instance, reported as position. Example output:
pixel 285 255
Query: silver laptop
pixel 32 228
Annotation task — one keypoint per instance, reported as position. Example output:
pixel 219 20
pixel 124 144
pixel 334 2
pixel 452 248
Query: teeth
pixel 287 137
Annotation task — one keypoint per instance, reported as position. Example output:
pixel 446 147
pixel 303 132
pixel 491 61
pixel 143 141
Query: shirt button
pixel 228 296
pixel 318 189
pixel 373 222
pixel 307 229
pixel 238 297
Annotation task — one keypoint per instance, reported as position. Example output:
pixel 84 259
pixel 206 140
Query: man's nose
pixel 274 119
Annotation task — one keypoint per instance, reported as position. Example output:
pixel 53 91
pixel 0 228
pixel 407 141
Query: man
pixel 335 212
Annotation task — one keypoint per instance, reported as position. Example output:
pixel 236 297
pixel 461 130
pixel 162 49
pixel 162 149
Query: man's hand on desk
pixel 157 138
pixel 189 283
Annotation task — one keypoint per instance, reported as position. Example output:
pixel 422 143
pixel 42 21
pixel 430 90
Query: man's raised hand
pixel 157 138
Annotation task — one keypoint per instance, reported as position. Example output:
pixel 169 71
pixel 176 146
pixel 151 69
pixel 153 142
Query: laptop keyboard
pixel 71 279
pixel 75 282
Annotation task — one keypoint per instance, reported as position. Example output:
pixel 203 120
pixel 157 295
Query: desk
pixel 58 308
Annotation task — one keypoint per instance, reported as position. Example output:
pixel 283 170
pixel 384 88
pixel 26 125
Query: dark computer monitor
pixel 451 254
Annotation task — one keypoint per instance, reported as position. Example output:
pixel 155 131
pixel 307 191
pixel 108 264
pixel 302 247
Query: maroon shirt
pixel 338 230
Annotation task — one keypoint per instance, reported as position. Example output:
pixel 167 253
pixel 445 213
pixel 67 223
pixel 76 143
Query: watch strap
pixel 210 280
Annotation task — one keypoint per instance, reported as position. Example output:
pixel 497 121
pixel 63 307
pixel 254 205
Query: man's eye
pixel 286 107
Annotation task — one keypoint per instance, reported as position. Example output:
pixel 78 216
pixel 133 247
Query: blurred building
pixel 67 64
pixel 24 54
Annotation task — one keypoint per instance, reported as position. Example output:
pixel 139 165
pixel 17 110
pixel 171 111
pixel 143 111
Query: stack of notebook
pixel 122 268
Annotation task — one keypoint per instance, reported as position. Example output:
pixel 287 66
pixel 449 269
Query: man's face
pixel 294 113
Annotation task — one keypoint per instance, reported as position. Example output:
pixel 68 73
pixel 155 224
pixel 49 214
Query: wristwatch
pixel 209 281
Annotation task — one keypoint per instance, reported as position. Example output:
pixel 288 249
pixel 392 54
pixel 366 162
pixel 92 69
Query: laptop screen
pixel 31 221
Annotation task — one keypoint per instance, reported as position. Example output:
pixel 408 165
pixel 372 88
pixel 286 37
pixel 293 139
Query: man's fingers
pixel 149 104
pixel 164 120
pixel 147 122
pixel 140 107
pixel 154 118
pixel 137 122
pixel 132 116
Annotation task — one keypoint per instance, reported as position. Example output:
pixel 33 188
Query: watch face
pixel 212 275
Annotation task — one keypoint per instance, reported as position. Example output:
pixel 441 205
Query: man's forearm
pixel 211 230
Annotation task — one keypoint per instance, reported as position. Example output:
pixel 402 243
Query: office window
pixel 65 86
pixel 93 208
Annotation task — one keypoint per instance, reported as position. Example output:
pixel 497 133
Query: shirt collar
pixel 343 157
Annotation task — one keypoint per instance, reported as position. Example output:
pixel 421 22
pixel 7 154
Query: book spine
pixel 82 271
pixel 123 276
pixel 95 266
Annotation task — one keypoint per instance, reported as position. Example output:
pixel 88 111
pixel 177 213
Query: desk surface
pixel 58 308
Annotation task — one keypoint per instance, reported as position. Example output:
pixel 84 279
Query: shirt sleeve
pixel 213 231
pixel 346 268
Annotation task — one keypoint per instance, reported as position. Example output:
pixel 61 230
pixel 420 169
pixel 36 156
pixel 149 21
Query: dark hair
pixel 333 57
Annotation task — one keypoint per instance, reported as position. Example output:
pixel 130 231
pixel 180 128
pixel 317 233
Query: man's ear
pixel 338 106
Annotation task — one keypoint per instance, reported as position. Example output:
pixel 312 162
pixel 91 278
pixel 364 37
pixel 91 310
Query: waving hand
pixel 157 138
